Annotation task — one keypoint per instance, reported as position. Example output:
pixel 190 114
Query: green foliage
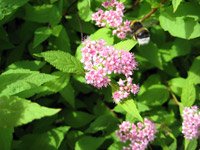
pixel 50 140
pixel 63 61
pixel 17 111
pixel 45 102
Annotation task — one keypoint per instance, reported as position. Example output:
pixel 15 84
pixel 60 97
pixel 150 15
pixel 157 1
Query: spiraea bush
pixel 97 75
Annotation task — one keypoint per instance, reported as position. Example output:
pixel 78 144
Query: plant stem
pixel 152 11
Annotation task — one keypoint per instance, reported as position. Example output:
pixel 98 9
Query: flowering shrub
pixel 60 92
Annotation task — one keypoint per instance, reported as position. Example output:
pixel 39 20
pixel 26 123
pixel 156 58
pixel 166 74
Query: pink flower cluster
pixel 101 60
pixel 125 88
pixel 112 17
pixel 191 122
pixel 139 134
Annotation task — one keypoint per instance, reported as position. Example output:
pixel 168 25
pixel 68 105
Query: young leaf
pixel 130 107
pixel 89 142
pixel 63 61
pixel 16 111
pixel 50 140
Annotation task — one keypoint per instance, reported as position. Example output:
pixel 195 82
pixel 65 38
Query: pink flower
pixel 122 30
pixel 191 122
pixel 113 18
pixel 139 134
pixel 101 60
pixel 125 88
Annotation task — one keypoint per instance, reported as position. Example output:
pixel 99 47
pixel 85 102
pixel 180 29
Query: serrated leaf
pixel 130 107
pixel 26 64
pixel 41 34
pixel 63 61
pixel 183 23
pixel 175 4
pixel 9 6
pixel 126 45
pixel 6 135
pixel 50 140
pixel 188 94
pixel 78 118
pixel 16 111
pixel 84 10
pixel 89 142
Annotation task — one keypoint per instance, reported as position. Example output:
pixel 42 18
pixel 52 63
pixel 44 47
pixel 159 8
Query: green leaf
pixel 41 34
pixel 43 14
pixel 103 123
pixel 63 61
pixel 84 10
pixel 68 93
pixel 6 135
pixel 19 80
pixel 56 85
pixel 50 140
pixel 151 53
pixel 194 72
pixel 154 95
pixel 103 33
pixel 78 118
pixel 176 85
pixel 16 111
pixel 175 4
pixel 126 45
pixel 188 94
pixel 183 23
pixel 61 40
pixel 89 142
pixel 9 6
pixel 81 26
pixel 130 107
pixel 191 144
pixel 26 64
